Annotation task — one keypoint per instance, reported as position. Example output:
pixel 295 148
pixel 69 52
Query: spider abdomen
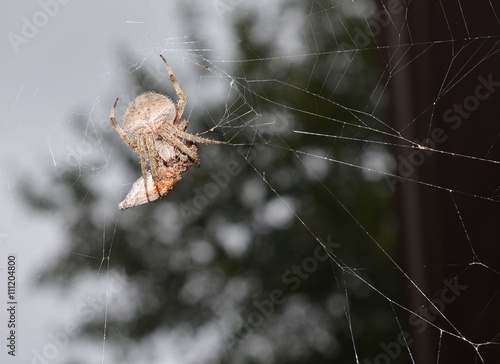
pixel 147 112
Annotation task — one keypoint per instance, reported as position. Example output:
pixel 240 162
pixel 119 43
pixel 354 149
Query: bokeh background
pixel 353 217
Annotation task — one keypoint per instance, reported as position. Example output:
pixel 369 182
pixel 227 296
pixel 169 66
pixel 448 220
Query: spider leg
pixel 181 104
pixel 176 142
pixel 197 139
pixel 120 131
pixel 182 126
pixel 144 170
pixel 153 163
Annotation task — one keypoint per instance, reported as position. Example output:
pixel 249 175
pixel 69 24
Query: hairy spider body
pixel 152 128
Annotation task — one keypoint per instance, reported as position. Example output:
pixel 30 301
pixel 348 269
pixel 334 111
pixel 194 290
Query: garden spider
pixel 152 128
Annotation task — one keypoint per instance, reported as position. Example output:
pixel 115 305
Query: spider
pixel 154 130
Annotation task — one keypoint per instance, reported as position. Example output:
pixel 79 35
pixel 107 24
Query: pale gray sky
pixel 60 57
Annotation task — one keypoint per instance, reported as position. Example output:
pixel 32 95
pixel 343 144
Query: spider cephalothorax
pixel 152 128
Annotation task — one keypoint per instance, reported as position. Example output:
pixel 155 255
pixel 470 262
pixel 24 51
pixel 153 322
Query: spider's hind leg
pixel 195 138
pixel 175 139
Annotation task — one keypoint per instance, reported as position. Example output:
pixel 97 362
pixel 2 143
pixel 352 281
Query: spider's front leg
pixel 181 104
pixel 142 151
pixel 156 179
pixel 119 130
pixel 152 178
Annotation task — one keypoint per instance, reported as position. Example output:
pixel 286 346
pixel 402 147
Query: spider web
pixel 352 217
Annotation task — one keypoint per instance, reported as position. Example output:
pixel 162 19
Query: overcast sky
pixel 59 57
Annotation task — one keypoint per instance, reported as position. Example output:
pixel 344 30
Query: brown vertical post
pixel 445 94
